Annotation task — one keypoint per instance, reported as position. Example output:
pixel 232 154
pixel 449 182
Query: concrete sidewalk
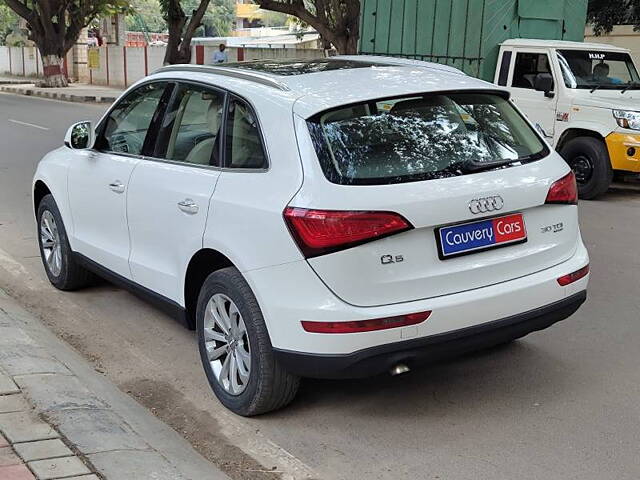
pixel 75 92
pixel 61 419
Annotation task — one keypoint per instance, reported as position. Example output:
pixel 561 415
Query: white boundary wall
pixel 621 36
pixel 122 66
pixel 23 61
pixel 127 65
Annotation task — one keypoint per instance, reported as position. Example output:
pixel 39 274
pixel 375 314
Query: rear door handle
pixel 117 186
pixel 188 206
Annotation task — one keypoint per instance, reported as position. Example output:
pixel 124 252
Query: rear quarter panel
pixel 245 220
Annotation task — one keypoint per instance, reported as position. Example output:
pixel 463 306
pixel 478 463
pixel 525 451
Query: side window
pixel 193 126
pixel 504 68
pixel 243 143
pixel 527 66
pixel 126 127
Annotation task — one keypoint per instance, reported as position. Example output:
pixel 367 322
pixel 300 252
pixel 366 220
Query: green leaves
pixel 605 14
pixel 8 21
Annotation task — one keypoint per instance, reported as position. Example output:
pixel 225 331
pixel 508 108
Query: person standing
pixel 221 56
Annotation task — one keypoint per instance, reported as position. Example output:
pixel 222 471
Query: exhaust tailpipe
pixel 399 369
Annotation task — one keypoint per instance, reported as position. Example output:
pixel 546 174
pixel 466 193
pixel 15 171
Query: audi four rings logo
pixel 486 204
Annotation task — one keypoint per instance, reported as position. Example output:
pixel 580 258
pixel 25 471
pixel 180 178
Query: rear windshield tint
pixel 422 137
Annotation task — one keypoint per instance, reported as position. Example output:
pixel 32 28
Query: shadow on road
pixel 490 377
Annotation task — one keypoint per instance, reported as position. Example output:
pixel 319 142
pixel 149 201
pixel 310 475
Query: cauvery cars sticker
pixel 483 235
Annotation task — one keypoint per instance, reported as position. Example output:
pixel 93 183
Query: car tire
pixel 62 269
pixel 226 302
pixel 589 159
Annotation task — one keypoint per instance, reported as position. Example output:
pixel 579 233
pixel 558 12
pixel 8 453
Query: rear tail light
pixel 564 191
pixel 573 277
pixel 366 325
pixel 323 231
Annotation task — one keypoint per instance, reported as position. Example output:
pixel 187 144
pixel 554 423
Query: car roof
pixel 312 86
pixel 561 44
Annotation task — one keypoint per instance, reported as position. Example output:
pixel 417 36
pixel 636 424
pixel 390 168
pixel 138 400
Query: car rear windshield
pixel 422 137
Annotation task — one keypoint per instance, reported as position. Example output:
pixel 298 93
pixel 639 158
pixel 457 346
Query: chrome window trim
pixel 202 167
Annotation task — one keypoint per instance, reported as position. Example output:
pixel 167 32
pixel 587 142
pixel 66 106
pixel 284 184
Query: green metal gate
pixel 464 33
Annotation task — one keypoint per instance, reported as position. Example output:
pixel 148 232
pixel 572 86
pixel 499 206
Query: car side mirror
pixel 80 136
pixel 543 82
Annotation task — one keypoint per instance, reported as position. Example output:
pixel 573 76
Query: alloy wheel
pixel 227 344
pixel 50 241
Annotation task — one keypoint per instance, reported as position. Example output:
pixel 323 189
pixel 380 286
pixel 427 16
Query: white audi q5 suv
pixel 329 218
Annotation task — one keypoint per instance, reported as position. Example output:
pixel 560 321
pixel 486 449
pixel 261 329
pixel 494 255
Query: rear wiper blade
pixel 595 87
pixel 472 166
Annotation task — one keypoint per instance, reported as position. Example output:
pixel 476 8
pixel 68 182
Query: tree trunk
pixel 53 71
pixel 172 54
pixel 346 44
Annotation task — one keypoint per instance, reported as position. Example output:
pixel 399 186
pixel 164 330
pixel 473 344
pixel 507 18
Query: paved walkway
pixel 32 449
pixel 59 418
pixel 75 92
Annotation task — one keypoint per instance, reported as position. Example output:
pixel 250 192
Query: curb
pixel 118 436
pixel 12 82
pixel 68 97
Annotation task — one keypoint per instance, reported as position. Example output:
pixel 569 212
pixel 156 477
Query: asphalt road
pixel 560 404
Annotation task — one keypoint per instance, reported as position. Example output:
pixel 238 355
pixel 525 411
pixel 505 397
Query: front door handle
pixel 188 206
pixel 117 186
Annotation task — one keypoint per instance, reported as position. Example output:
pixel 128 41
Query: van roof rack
pixel 250 75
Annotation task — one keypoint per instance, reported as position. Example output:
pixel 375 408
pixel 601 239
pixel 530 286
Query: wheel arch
pixel 572 133
pixel 40 190
pixel 202 264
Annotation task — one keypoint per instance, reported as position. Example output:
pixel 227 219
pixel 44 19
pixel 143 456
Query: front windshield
pixel 598 69
pixel 421 137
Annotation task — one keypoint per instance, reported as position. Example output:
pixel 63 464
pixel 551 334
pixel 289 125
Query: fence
pixel 122 66
pixel 23 61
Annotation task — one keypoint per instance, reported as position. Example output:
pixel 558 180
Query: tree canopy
pixel 605 14
pixel 337 21
pixel 182 27
pixel 55 25
pixel 8 21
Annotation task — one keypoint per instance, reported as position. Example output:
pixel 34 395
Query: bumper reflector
pixel 365 325
pixel 573 277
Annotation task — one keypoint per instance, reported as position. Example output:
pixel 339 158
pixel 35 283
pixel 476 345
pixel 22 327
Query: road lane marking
pixel 28 124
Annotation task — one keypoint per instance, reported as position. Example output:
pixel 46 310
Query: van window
pixel 527 66
pixel 504 68
pixel 601 69
pixel 422 137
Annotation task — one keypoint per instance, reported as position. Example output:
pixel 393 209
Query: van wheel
pixel 61 268
pixel 235 348
pixel 589 159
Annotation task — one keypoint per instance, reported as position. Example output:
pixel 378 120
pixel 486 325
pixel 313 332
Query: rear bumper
pixel 292 292
pixel 379 359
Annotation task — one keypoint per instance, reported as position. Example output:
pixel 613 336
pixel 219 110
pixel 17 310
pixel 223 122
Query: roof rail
pixel 228 72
